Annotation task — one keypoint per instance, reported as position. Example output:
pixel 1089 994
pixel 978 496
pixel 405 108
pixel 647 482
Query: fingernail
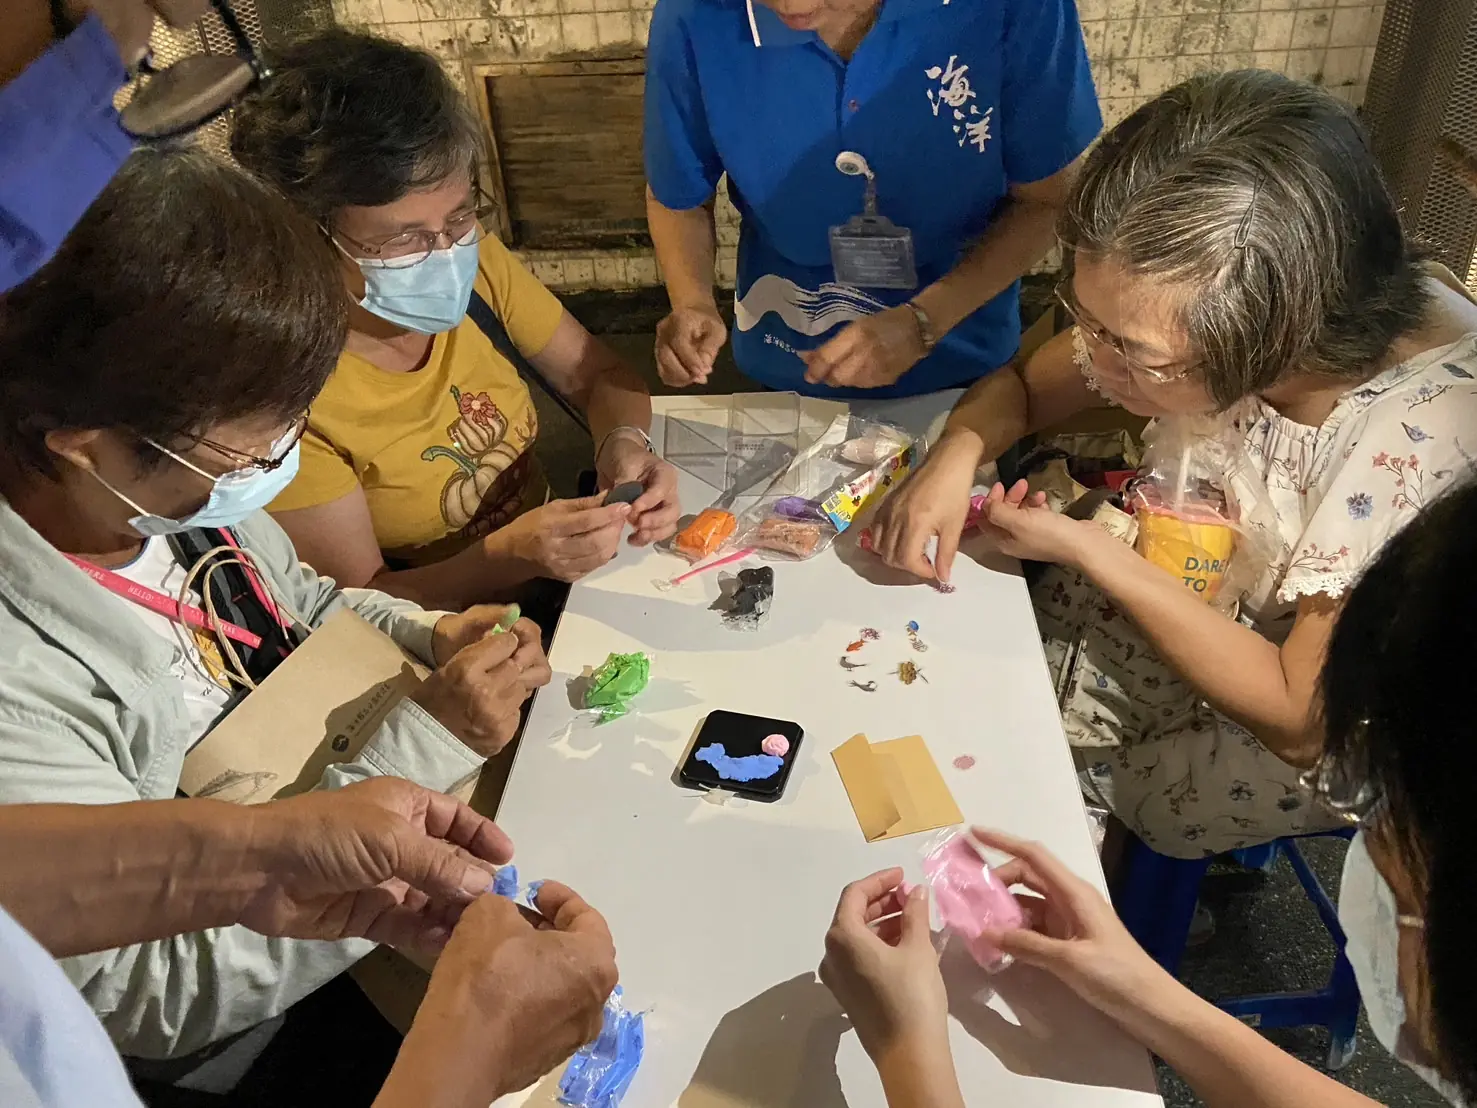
pixel 476 881
pixel 920 892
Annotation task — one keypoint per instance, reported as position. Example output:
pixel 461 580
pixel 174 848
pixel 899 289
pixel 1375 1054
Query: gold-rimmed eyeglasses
pixel 1099 335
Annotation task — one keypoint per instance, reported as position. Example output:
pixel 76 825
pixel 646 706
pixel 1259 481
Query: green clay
pixel 613 686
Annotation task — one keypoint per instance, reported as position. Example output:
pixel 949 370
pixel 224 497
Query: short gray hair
pixel 1259 196
pixel 353 120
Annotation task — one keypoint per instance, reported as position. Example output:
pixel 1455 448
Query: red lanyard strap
pixel 166 606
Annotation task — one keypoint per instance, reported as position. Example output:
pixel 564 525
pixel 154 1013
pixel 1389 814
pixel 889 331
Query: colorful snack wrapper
pixel 1193 542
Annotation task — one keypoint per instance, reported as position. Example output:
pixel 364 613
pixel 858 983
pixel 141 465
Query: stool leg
pixel 1155 899
pixel 1342 1028
pixel 1262 857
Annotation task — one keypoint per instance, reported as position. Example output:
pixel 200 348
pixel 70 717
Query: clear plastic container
pixel 715 441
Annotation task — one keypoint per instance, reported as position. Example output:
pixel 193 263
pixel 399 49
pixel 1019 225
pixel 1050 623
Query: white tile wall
pixel 1138 49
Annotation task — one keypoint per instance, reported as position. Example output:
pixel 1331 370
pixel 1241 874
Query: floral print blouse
pixel 1341 490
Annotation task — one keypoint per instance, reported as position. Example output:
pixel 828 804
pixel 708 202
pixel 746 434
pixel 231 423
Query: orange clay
pixel 706 534
pixel 854 647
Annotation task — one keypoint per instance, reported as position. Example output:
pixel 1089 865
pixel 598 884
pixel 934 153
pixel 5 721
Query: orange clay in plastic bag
pixel 1193 543
pixel 706 534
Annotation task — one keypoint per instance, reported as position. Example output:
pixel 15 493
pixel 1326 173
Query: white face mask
pixel 1372 924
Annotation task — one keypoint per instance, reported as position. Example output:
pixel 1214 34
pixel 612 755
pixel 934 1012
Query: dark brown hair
pixel 1399 722
pixel 353 120
pixel 188 296
pixel 1258 196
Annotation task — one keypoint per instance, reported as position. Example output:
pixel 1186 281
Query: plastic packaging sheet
pixel 599 1074
pixel 968 898
pixel 1202 514
pixel 617 681
pixel 851 466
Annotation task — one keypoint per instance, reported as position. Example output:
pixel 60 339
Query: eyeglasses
pixel 1344 788
pixel 279 452
pixel 193 91
pixel 1101 336
pixel 413 247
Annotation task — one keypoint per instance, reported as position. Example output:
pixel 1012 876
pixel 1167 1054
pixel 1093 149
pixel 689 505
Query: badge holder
pixel 870 251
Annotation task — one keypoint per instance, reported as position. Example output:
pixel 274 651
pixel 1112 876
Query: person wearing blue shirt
pixel 962 121
pixel 61 139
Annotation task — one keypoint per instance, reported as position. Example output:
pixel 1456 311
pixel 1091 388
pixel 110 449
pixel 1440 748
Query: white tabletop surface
pixel 718 912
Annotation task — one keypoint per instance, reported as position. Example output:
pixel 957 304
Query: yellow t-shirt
pixel 444 454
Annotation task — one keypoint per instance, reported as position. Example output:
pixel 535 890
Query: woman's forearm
pixel 920 1075
pixel 1225 1062
pixel 988 418
pixel 1231 666
pixel 686 245
pixel 618 398
pixel 1018 237
pixel 1018 399
pixel 131 873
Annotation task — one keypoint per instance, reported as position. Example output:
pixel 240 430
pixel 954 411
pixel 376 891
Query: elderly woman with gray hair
pixel 1234 251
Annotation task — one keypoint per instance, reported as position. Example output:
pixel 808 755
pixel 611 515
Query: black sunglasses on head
pixel 193 91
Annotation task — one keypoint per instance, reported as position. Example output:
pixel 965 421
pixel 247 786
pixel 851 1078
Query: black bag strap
pixel 236 600
pixel 489 324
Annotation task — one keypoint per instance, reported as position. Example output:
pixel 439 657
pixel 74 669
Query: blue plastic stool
pixel 1156 899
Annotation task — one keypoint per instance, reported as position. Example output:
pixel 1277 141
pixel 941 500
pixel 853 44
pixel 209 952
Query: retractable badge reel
pixel 870 251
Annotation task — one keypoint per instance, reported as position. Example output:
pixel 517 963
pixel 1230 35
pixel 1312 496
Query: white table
pixel 718 912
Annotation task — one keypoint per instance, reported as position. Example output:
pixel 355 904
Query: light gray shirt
pixel 92 712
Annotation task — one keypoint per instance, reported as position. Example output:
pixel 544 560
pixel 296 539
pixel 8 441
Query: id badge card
pixel 873 252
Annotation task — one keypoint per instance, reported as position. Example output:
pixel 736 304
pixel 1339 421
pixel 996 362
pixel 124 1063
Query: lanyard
pixel 165 605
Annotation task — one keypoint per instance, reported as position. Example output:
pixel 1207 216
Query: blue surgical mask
pixel 233 496
pixel 430 296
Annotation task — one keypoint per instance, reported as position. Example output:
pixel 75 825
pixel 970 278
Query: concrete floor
pixel 1267 935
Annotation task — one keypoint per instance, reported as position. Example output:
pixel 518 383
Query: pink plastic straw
pixel 714 564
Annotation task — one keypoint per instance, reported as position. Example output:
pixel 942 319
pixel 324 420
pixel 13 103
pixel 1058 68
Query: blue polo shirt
pixel 950 101
pixel 60 143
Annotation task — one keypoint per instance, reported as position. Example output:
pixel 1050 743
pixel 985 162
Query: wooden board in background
pixel 567 169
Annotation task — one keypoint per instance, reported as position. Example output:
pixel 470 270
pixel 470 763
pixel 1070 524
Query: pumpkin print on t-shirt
pixel 444 455
pixel 486 489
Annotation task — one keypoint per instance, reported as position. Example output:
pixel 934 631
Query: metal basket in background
pixel 1421 109
pixel 197 73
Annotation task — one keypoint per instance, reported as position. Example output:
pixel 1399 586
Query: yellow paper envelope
pixel 895 787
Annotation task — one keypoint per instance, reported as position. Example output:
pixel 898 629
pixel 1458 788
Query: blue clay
pixel 751 767
pixel 505 882
pixel 600 1073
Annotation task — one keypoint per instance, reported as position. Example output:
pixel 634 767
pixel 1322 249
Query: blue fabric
pixel 53 1051
pixel 60 143
pixel 950 103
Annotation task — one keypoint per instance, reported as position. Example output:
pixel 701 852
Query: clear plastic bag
pixel 968 899
pixel 851 467
pixel 712 530
pixel 1195 520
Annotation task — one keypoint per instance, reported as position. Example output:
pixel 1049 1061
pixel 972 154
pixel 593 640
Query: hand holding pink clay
pixel 970 898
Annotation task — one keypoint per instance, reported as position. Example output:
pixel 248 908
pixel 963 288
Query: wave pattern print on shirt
pixel 803 311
